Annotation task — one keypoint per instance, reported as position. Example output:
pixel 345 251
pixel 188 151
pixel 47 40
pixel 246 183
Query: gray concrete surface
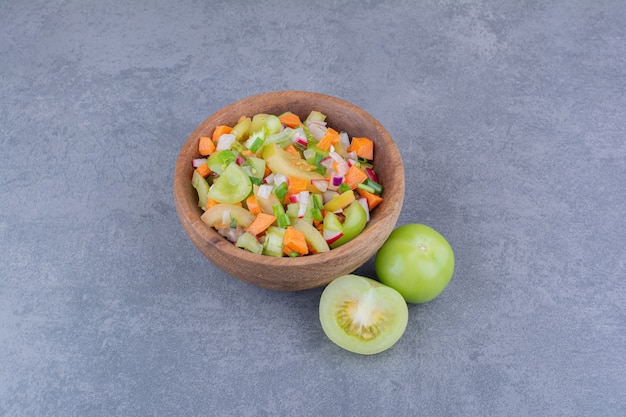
pixel 511 121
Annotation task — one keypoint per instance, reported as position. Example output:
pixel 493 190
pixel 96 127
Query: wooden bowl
pixel 311 271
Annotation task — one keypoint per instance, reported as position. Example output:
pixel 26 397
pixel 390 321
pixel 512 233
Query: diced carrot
pixel 253 205
pixel 260 223
pixel 242 118
pixel 354 176
pixel 296 185
pixel 292 150
pixel 294 241
pixel 331 137
pixel 290 119
pixel 219 131
pixel 372 199
pixel 363 147
pixel 210 203
pixel 204 170
pixel 206 146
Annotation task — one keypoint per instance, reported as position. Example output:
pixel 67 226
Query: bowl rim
pixel 204 235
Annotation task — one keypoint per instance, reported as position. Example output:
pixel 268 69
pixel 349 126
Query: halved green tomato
pixel 362 315
pixel 282 162
pixel 232 186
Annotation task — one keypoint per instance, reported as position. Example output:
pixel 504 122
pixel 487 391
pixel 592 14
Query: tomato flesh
pixel 362 315
pixel 232 186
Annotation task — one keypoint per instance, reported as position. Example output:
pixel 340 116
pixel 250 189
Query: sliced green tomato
pixel 221 215
pixel 248 242
pixel 257 122
pixel 340 201
pixel 282 162
pixel 362 315
pixel 254 167
pixel 219 160
pixel 315 116
pixel 242 129
pixel 267 204
pixel 202 187
pixel 232 186
pixel 332 222
pixel 353 225
pixel 312 236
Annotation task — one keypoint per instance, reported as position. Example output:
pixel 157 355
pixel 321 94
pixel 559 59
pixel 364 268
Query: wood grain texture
pixel 292 274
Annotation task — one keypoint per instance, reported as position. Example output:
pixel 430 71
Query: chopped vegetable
pixel 373 200
pixel 331 137
pixel 280 186
pixel 290 119
pixel 206 146
pixel 261 222
pixel 294 241
pixel 363 147
pixel 253 205
pixel 248 242
pixel 354 177
pixel 219 131
pixel 203 170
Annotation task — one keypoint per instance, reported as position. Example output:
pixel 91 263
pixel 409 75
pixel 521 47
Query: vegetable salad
pixel 279 186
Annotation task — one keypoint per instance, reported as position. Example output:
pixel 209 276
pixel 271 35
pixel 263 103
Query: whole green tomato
pixel 416 261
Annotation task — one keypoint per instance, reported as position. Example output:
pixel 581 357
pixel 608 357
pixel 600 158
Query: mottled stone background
pixel 512 124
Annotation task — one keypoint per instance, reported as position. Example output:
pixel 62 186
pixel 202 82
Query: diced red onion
pixel 327 162
pixel 328 195
pixel 337 181
pixel 344 139
pixel 371 174
pixel 332 236
pixel 225 141
pixel 300 138
pixel 320 184
pixel 352 155
pixel 264 191
pixel 279 179
pixel 317 129
pixel 197 162
pixel 342 165
pixel 239 160
pixel 303 200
